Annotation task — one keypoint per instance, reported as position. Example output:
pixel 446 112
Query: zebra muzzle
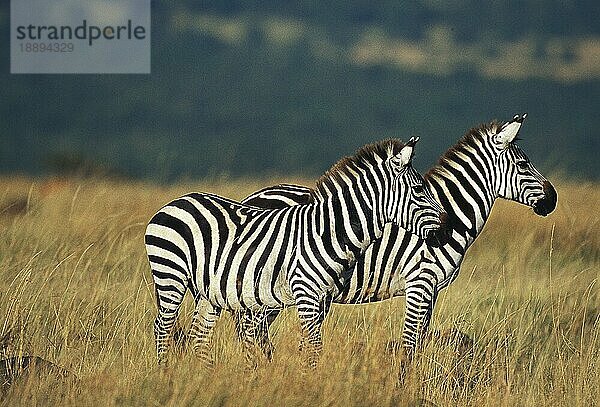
pixel 546 205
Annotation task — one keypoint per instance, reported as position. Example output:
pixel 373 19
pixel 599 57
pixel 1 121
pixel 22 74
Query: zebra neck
pixel 466 196
pixel 347 223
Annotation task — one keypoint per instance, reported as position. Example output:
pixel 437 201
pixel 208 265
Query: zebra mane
pixel 367 155
pixel 474 135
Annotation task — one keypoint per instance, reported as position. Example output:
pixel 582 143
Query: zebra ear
pixel 408 151
pixel 404 157
pixel 509 130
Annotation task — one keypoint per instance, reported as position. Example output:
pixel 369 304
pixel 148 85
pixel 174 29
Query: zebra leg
pixel 238 321
pixel 312 311
pixel 260 324
pixel 264 341
pixel 421 296
pixel 201 330
pixel 253 331
pixel 168 309
pixel 250 326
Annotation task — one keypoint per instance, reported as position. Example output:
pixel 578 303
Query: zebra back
pixel 279 196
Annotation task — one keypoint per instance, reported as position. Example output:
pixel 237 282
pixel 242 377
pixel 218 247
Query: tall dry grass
pixel 75 289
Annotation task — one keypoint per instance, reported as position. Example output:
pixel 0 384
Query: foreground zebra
pixel 241 258
pixel 484 165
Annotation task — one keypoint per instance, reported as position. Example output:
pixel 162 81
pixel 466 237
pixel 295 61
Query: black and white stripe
pixel 238 257
pixel 484 165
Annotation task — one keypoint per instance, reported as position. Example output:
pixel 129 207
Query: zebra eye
pixel 418 189
pixel 522 164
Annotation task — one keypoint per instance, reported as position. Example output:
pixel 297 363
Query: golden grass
pixel 75 289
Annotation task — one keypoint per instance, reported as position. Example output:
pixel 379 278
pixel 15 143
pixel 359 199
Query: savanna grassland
pixel 76 290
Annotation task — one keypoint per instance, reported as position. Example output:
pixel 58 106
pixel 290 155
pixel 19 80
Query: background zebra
pixel 484 165
pixel 237 257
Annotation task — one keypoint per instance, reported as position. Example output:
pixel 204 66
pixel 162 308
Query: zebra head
pixel 517 178
pixel 412 205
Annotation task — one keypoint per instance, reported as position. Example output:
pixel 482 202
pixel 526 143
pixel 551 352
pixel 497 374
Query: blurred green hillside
pixel 249 87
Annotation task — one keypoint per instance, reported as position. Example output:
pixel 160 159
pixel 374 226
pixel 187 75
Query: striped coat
pixel 241 258
pixel 484 165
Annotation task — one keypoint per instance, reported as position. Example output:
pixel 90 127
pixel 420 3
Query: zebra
pixel 238 257
pixel 484 165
